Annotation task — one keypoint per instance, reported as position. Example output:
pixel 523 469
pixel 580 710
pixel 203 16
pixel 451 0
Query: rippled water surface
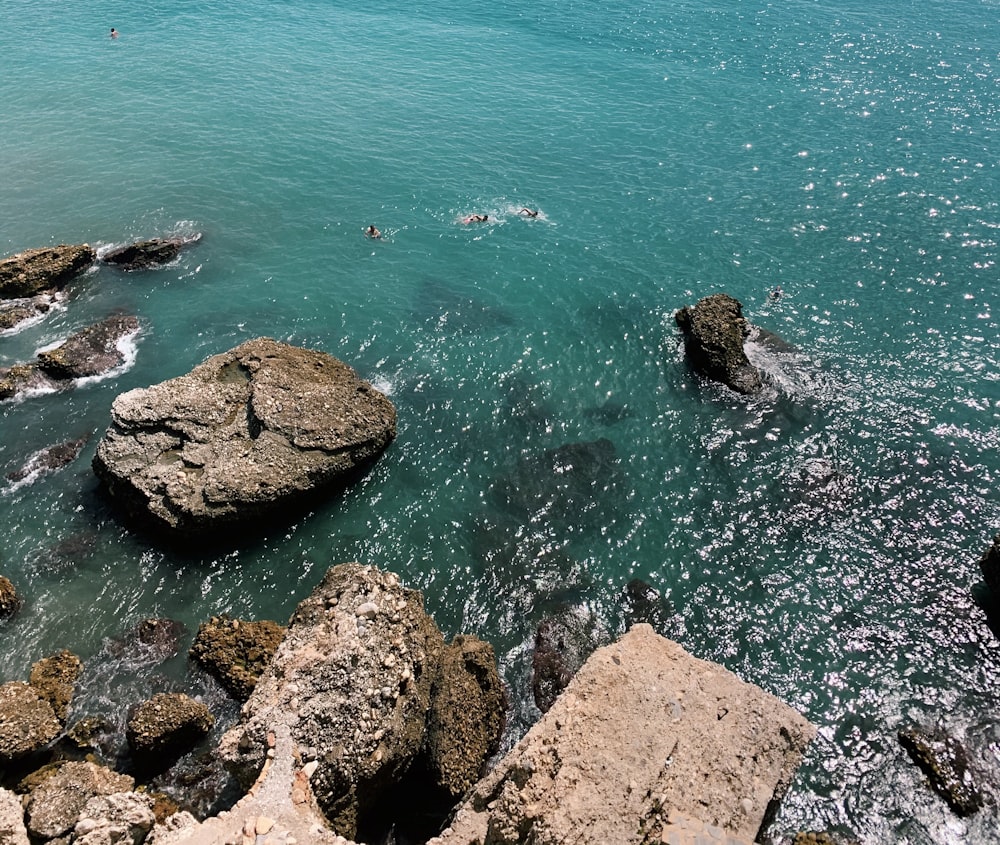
pixel 821 539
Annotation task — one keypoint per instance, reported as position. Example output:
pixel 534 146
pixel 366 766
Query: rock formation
pixel 563 642
pixel 989 565
pixel 49 268
pixel 122 817
pixel 244 433
pixel 93 351
pixel 27 721
pixel 10 601
pixel 54 678
pixel 17 312
pixel 647 743
pixel 49 459
pixel 12 829
pixel 349 692
pixel 166 726
pixel 946 764
pixel 154 252
pixel 236 652
pixel 714 331
pixel 54 805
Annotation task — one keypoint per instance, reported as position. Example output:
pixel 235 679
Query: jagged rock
pixel 22 378
pixel 12 829
pixel 989 565
pixel 48 268
pixel 49 459
pixel 157 639
pixel 27 721
pixel 617 756
pixel 151 253
pixel 944 760
pixel 92 351
pixel 351 685
pixel 714 331
pixel 123 817
pixel 54 678
pixel 244 433
pixel 236 651
pixel 14 313
pixel 54 805
pixel 644 603
pixel 10 601
pixel 466 717
pixel 166 726
pixel 563 642
pixel 92 732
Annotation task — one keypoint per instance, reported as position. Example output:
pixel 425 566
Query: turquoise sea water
pixel 821 540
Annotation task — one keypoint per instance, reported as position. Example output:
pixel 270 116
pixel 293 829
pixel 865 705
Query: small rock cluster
pixel 714 331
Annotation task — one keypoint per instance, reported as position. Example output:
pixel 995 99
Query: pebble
pixel 309 769
pixel 263 825
pixel 368 610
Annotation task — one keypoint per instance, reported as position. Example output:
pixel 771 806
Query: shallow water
pixel 820 540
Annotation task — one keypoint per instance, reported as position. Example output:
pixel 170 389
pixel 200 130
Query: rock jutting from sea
pixel 714 330
pixel 41 270
pixel 244 435
pixel 148 254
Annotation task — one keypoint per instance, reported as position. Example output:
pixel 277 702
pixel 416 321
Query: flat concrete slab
pixel 647 744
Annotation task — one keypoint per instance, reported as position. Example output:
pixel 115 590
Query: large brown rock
pixel 714 331
pixel 54 805
pixel 242 435
pixel 236 651
pixel 166 726
pixel 48 268
pixel 54 678
pixel 27 721
pixel 10 600
pixel 645 738
pixel 92 351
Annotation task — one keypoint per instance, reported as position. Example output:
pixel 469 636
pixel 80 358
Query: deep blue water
pixel 845 152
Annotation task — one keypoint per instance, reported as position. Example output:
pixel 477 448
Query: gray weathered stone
pixel 244 433
pixel 116 819
pixel 47 268
pixel 644 734
pixel 92 351
pixel 714 331
pixel 12 829
pixel 54 805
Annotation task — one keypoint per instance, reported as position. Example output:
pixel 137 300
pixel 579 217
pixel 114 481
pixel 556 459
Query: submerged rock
pixel 236 652
pixel 166 726
pixel 55 678
pixel 644 603
pixel 244 434
pixel 154 252
pixel 989 565
pixel 49 459
pixel 10 600
pixel 714 331
pixel 563 642
pixel 48 268
pixel 27 721
pixel 15 313
pixel 945 762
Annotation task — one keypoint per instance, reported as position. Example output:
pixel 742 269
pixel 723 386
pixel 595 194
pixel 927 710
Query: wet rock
pixel 49 459
pixel 236 652
pixel 92 733
pixel 27 721
pixel 714 331
pixel 24 378
pixel 351 683
pixel 154 252
pixel 945 762
pixel 10 601
pixel 644 603
pixel 12 829
pixel 198 783
pixel 54 678
pixel 989 565
pixel 466 716
pixel 122 817
pixel 810 837
pixel 158 639
pixel 55 803
pixel 16 312
pixel 613 761
pixel 243 435
pixel 166 726
pixel 90 352
pixel 563 483
pixel 48 268
pixel 563 642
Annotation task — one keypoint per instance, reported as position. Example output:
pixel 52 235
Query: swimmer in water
pixel 373 233
pixel 114 32
pixel 476 218
pixel 527 212
pixel 776 293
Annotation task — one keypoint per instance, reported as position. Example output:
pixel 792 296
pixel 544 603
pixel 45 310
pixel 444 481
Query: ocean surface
pixel 821 539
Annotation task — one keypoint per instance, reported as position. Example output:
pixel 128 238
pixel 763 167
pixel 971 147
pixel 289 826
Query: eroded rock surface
pixel 165 726
pixel 10 600
pixel 945 762
pixel 49 459
pixel 12 829
pixel 48 268
pixel 563 642
pixel 54 678
pixel 54 805
pixel 154 252
pixel 714 330
pixel 644 735
pixel 27 721
pixel 236 651
pixel 244 433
